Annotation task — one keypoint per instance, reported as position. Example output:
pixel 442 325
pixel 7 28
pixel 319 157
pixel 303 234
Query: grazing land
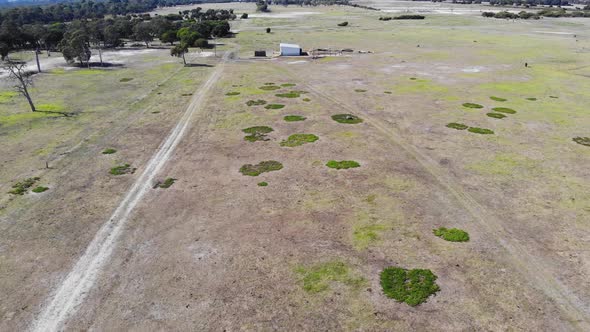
pixel 257 220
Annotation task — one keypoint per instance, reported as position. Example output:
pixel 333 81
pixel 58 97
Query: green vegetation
pixel 166 184
pixel 472 105
pixel 292 118
pixel 497 98
pixel 496 115
pixel 257 133
pixel 364 235
pixel 410 286
pixel 261 167
pixel 39 189
pixel 482 131
pixel 582 140
pixel 21 187
pixel 109 151
pixel 344 164
pixel 531 98
pixel 256 102
pixel 274 106
pixel 269 83
pixel 7 95
pixel 306 99
pixel 346 118
pixel 458 126
pixel 318 278
pixel 232 93
pixel 292 94
pixel 409 17
pixel 122 169
pixel 554 97
pixel 288 85
pixel 299 139
pixel 262 184
pixel 360 90
pixel 452 234
pixel 343 24
pixel 269 87
pixel 504 110
pixel 387 92
pixel 126 79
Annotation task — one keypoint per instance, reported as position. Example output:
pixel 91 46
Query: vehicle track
pixel 530 266
pixel 71 292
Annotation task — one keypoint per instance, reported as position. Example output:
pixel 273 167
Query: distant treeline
pixel 549 12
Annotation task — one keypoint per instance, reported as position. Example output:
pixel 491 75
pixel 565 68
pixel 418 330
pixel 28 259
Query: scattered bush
pixel 269 87
pixel 274 106
pixel 582 140
pixel 109 151
pixel 244 16
pixel 232 93
pixel 482 131
pixel 385 18
pixel 39 189
pixel 496 115
pixel 122 169
pixel 261 167
pixel 126 79
pixel 268 30
pixel 409 17
pixel 410 286
pixel 299 139
pixel 262 184
pixel 166 184
pixel 292 118
pixel 554 97
pixel 306 99
pixel 21 187
pixel 497 98
pixel 291 94
pixel 360 90
pixel 504 110
pixel 472 105
pixel 288 85
pixel 318 278
pixel 344 164
pixel 256 102
pixel 458 126
pixel 346 118
pixel 343 24
pixel 452 234
pixel 257 133
pixel 531 98
pixel 387 92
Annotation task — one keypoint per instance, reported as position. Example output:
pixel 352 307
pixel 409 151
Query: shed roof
pixel 289 45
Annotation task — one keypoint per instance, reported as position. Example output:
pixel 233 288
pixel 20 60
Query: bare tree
pixel 21 78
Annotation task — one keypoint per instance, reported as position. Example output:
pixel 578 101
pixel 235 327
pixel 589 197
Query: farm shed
pixel 290 49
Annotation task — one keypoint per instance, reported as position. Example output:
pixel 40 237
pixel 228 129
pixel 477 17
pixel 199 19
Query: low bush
pixel 452 234
pixel 291 94
pixel 385 18
pixel 360 90
pixel 497 98
pixel 472 105
pixel 109 151
pixel 165 184
pixel 292 118
pixel 122 169
pixel 344 164
pixel 343 24
pixel 288 85
pixel 257 133
pixel 504 110
pixel 274 106
pixel 261 167
pixel 232 93
pixel 299 139
pixel 346 118
pixel 496 115
pixel 458 126
pixel 410 286
pixel 256 102
pixel 262 184
pixel 21 187
pixel 410 17
pixel 40 189
pixel 582 140
pixel 482 131
pixel 531 98
pixel 126 79
pixel 269 87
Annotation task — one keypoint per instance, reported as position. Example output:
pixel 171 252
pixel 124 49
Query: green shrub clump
pixel 257 133
pixel 496 115
pixel 360 90
pixel 452 234
pixel 472 105
pixel 122 169
pixel 232 93
pixel 346 118
pixel 166 184
pixel 126 79
pixel 262 184
pixel 410 286
pixel 410 17
pixel 343 24
pixel 274 106
pixel 482 131
pixel 288 85
pixel 21 187
pixel 458 126
pixel 344 164
pixel 39 189
pixel 531 98
pixel 292 94
pixel 261 167
pixel 269 87
pixel 582 140
pixel 256 102
pixel 109 151
pixel 504 110
pixel 292 118
pixel 497 98
pixel 299 139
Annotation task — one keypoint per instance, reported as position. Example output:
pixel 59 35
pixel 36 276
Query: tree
pixel 244 16
pixel 187 36
pixel 179 51
pixel 76 46
pixel 262 6
pixel 4 49
pixel 201 43
pixel 267 30
pixel 143 31
pixel 169 37
pixel 21 78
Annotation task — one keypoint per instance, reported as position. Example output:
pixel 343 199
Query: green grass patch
pixel 262 184
pixel 346 118
pixel 50 108
pixel 232 93
pixel 126 79
pixel 21 187
pixel 387 92
pixel 554 97
pixel 458 126
pixel 531 98
pixel 288 85
pixel 497 98
pixel 413 78
pixel 269 83
pixel 274 106
pixel 299 139
pixel 472 105
pixel 482 131
pixel 269 87
pixel 109 151
pixel 344 164
pixel 257 133
pixel 360 90
pixel 261 167
pixel 317 278
pixel 6 96
pixel 504 110
pixel 365 235
pixel 582 140
pixel 165 184
pixel 291 94
pixel 292 118
pixel 496 115
pixel 122 169
pixel 410 286
pixel 451 234
pixel 256 102
pixel 39 189
pixel 306 99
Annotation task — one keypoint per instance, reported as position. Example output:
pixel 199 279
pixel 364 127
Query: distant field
pixel 300 180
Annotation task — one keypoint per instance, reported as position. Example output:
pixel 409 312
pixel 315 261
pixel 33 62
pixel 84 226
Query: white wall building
pixel 290 49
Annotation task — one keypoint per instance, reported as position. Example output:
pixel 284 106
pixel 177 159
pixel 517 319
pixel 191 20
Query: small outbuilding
pixel 290 49
pixel 260 53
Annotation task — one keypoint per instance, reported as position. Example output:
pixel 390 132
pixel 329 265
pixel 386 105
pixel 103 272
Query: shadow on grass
pixel 197 65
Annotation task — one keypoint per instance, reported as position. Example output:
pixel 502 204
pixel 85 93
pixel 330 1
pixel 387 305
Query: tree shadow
pixel 64 114
pixel 197 65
